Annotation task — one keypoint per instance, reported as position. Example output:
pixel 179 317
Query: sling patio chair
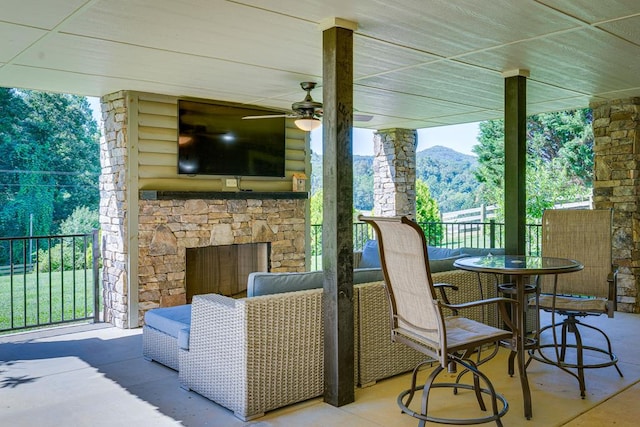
pixel 584 236
pixel 428 324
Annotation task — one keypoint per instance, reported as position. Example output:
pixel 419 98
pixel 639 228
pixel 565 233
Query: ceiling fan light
pixel 307 125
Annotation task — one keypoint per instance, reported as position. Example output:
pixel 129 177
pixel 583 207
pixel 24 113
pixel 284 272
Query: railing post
pixel 96 276
pixel 492 233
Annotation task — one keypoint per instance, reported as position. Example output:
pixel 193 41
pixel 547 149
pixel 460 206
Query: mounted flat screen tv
pixel 213 139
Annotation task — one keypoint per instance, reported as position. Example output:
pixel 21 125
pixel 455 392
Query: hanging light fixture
pixel 308 124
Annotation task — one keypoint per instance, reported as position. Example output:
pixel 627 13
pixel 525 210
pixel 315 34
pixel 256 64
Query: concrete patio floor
pixel 94 375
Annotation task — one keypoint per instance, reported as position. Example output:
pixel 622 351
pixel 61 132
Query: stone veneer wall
pixel 394 172
pixel 113 209
pixel 616 129
pixel 168 227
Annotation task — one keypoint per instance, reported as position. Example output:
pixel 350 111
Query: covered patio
pixel 95 375
pixel 409 65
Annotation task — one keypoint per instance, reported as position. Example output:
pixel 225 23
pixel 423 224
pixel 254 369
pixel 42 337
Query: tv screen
pixel 213 139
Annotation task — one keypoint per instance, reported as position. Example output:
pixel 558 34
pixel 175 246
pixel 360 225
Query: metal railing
pixel 451 235
pixel 48 280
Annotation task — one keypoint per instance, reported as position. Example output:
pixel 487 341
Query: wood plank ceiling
pixel 418 63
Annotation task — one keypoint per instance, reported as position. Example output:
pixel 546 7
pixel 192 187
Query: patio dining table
pixel 520 268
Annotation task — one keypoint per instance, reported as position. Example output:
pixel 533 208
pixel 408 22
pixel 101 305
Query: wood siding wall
pixel 158 151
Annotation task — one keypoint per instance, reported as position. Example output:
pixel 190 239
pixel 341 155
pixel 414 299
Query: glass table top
pixel 518 264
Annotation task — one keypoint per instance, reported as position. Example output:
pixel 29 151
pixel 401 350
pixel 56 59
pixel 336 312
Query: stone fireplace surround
pixel 171 222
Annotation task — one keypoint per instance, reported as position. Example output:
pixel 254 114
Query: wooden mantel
pixel 221 195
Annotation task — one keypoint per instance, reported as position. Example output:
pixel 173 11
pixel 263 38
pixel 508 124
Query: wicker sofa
pixel 264 351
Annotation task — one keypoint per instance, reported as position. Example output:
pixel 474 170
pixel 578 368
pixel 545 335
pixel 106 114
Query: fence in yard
pixel 484 213
pixel 441 234
pixel 48 280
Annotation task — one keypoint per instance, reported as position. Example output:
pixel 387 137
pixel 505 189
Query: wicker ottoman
pixel 165 330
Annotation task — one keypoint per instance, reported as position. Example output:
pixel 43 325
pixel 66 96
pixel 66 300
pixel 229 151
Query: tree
pixel 362 180
pixel 315 206
pixel 427 213
pixel 449 176
pixel 49 157
pixel 71 252
pixel 82 221
pixel 559 160
pixel 363 183
pixel 12 110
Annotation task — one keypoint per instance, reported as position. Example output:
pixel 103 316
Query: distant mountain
pixel 440 152
pixel 448 173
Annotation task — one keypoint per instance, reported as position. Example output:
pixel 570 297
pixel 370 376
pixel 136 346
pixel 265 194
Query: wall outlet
pixel 230 184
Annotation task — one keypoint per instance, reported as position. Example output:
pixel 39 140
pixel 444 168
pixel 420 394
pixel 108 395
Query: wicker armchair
pixel 583 235
pixel 419 320
pixel 252 355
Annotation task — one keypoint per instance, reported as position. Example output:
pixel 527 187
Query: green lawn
pixel 43 298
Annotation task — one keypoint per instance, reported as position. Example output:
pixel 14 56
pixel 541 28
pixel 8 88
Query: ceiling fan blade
pixel 268 116
pixel 362 117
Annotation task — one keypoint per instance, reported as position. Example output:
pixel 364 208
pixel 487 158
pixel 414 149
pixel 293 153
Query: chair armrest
pixel 441 287
pixel 480 302
pixel 445 285
pixel 501 301
pixel 471 287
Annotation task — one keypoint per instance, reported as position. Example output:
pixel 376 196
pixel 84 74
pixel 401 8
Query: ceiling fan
pixel 307 112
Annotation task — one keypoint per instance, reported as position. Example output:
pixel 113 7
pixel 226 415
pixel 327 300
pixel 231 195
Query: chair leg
pixel 414 380
pixel 563 341
pixel 423 417
pixel 427 388
pixel 612 357
pixel 479 361
pixel 511 365
pixel 476 387
pixel 571 325
pixel 579 359
pixel 558 347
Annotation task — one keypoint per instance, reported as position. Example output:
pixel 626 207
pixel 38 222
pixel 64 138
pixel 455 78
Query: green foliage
pixel 428 214
pixel 559 160
pixel 362 180
pixel 363 183
pixel 68 254
pixel 81 221
pixel 69 250
pixel 426 206
pixel 315 206
pixel 449 176
pixel 49 160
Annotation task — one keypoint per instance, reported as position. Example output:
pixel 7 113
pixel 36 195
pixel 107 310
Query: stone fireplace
pixel 168 226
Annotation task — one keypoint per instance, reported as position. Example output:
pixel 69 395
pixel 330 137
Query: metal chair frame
pixel 559 299
pixel 401 239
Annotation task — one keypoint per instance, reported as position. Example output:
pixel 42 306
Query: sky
pixel 460 138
